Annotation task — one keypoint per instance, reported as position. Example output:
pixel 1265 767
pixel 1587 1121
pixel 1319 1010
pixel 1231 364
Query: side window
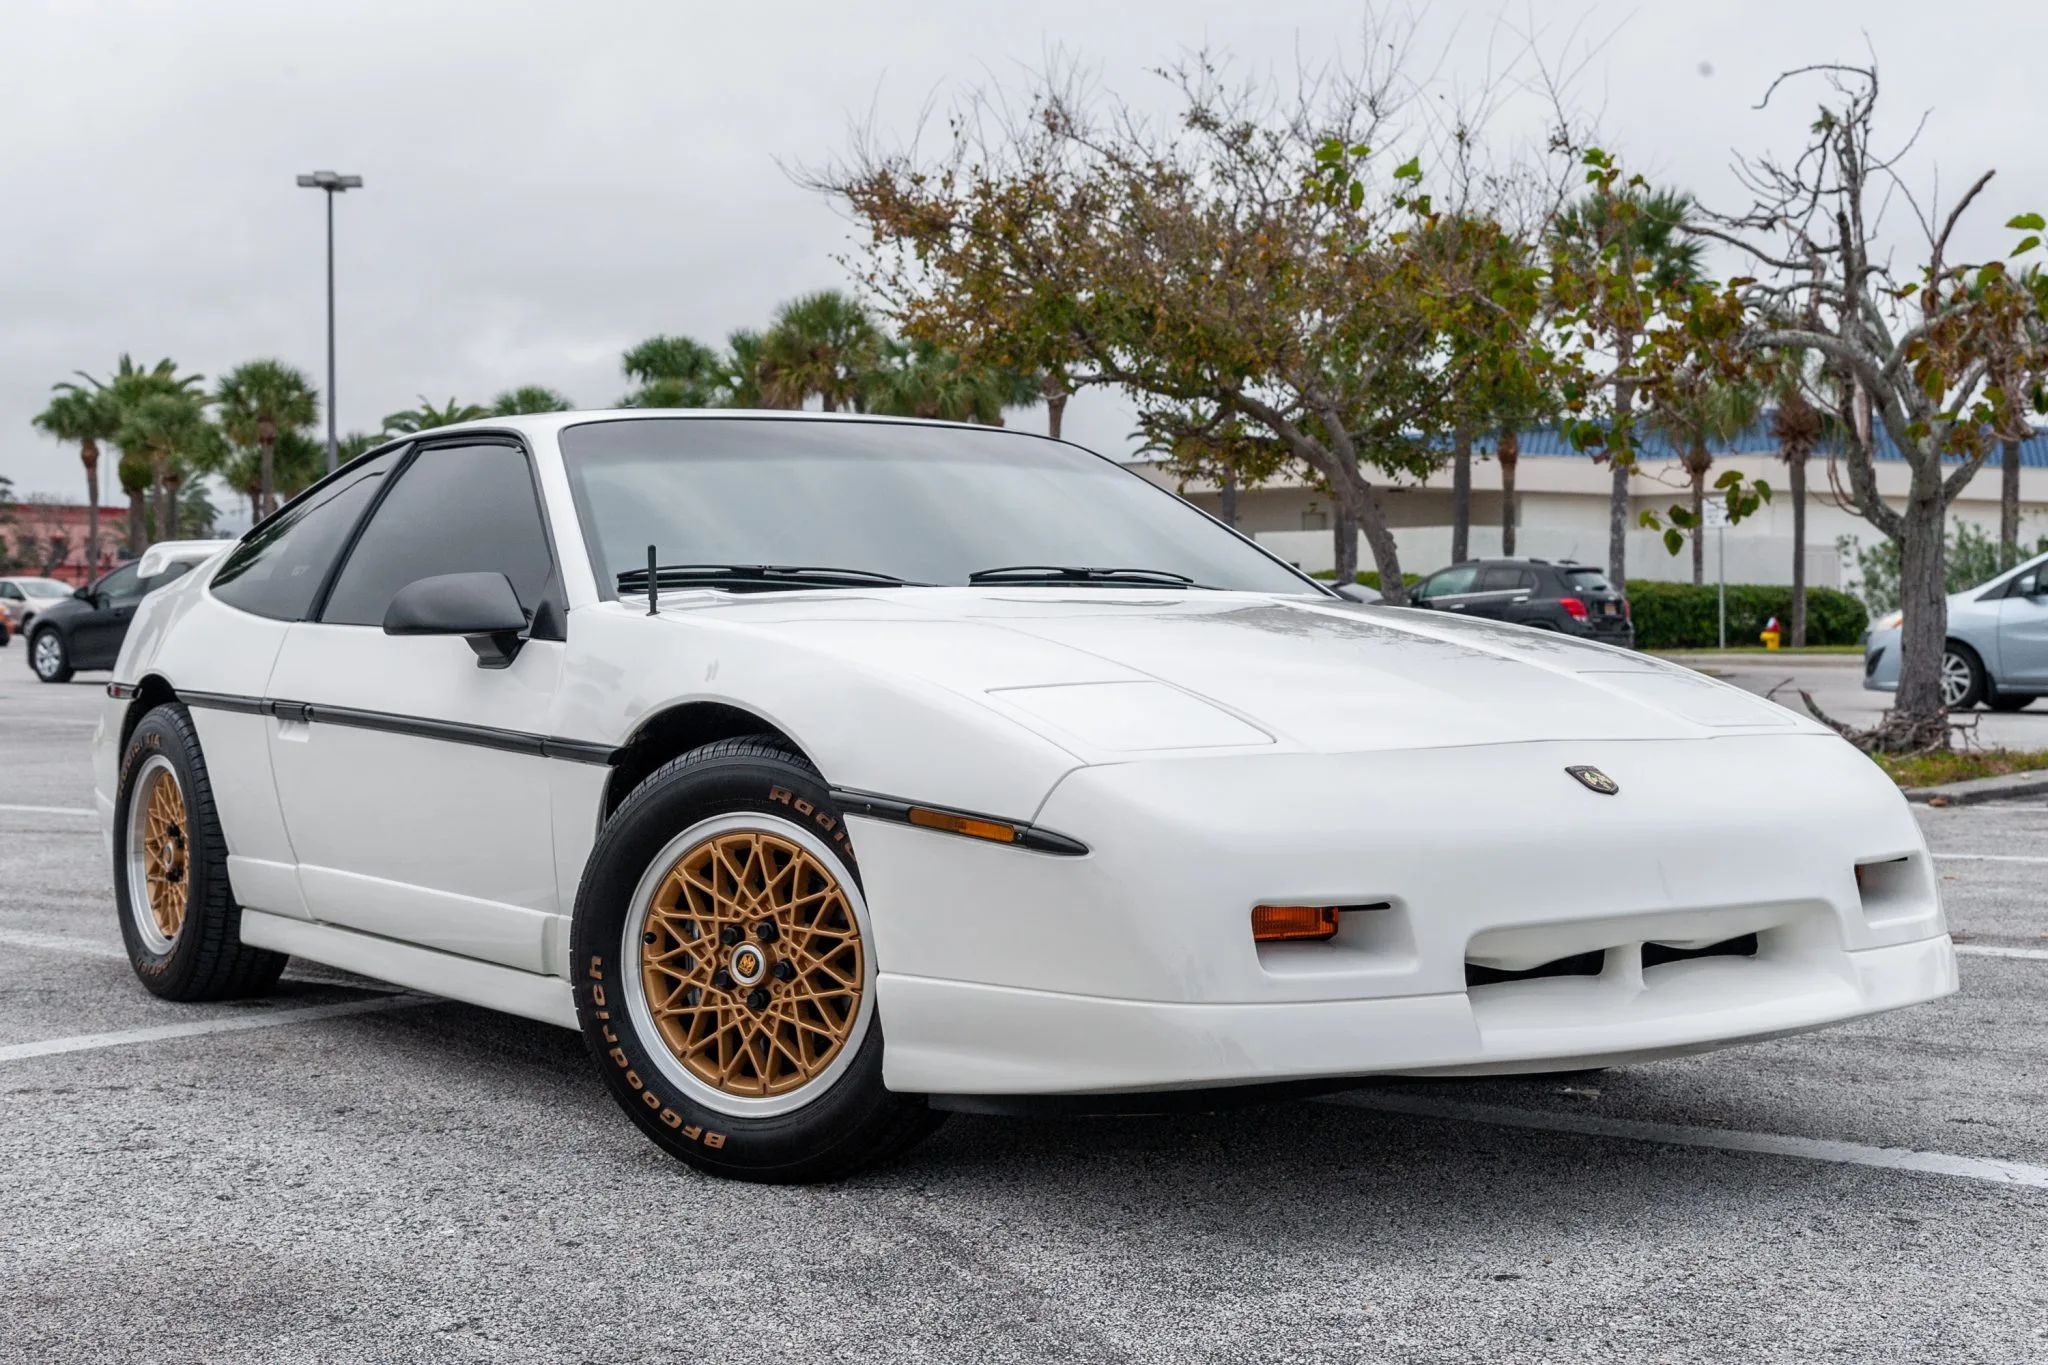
pixel 122 585
pixel 455 509
pixel 10 592
pixel 1501 578
pixel 171 574
pixel 1447 582
pixel 278 568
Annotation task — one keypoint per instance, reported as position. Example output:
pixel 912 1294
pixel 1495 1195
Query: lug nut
pixel 757 998
pixel 766 931
pixel 784 972
pixel 722 979
pixel 729 935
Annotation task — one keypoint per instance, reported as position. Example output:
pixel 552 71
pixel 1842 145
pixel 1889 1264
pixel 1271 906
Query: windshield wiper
pixel 1066 573
pixel 757 577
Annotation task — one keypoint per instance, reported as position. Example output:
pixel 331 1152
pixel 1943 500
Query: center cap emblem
pixel 749 964
pixel 1593 780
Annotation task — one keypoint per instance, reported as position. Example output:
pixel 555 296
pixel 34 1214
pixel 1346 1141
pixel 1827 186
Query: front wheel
pixel 49 658
pixel 725 972
pixel 179 918
pixel 1962 678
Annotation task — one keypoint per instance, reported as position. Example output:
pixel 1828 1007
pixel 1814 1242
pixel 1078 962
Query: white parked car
pixel 25 596
pixel 938 767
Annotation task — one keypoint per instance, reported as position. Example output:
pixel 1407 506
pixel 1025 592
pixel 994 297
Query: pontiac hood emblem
pixel 1592 779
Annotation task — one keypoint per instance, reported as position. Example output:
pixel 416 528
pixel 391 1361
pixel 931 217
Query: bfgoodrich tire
pixel 178 918
pixel 724 972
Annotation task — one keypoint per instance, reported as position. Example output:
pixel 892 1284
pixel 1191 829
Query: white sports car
pixel 935 767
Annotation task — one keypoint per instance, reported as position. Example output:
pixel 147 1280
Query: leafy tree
pixel 1212 445
pixel 126 388
pixel 171 431
pixel 258 401
pixel 1788 380
pixel 352 446
pixel 1970 556
pixel 87 415
pixel 921 379
pixel 426 417
pixel 529 398
pixel 1920 349
pixel 676 372
pixel 822 345
pixel 743 369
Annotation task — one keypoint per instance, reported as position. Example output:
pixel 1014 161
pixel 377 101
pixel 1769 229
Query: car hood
pixel 1107 672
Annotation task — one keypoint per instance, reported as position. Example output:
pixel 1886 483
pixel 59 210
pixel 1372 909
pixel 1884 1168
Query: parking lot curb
pixel 1981 789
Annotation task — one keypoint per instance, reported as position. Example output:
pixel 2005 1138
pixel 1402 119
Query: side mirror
pixel 1349 592
pixel 479 606
pixel 84 594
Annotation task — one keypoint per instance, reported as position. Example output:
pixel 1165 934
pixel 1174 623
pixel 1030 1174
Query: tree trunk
pixel 1344 530
pixel 158 500
pixel 268 472
pixel 1617 525
pixel 174 480
pixel 89 452
pixel 1509 454
pixel 1056 394
pixel 1226 499
pixel 138 522
pixel 1698 476
pixel 1918 706
pixel 1795 466
pixel 2009 505
pixel 1461 493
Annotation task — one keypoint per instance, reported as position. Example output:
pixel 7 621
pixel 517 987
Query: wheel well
pixel 150 693
pixel 675 732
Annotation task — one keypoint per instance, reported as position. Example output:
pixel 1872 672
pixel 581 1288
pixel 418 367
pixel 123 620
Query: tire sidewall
pixel 802 1143
pixel 159 734
pixel 63 668
pixel 1980 682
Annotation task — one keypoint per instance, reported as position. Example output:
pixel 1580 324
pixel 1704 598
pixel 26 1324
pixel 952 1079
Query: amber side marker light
pixel 993 830
pixel 1293 923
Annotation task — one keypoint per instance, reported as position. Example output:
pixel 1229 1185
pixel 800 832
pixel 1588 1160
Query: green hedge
pixel 1681 616
pixel 1369 577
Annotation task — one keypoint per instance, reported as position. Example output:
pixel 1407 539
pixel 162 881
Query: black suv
pixel 1559 594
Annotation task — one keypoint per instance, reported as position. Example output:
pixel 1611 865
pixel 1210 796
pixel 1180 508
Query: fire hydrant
pixel 1771 635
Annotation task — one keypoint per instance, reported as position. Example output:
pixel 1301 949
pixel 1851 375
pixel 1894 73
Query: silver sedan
pixel 1997 653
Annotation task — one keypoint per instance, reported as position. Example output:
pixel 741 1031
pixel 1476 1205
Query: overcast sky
pixel 550 182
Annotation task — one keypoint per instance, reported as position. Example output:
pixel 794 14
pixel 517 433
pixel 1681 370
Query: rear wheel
pixel 1963 684
pixel 2012 701
pixel 48 656
pixel 179 919
pixel 725 972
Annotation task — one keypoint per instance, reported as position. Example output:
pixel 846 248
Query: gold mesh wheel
pixel 166 851
pixel 751 960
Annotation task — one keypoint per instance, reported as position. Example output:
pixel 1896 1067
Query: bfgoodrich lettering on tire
pixel 178 916
pixel 724 971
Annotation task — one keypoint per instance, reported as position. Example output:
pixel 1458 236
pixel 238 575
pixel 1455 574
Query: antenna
pixel 653 586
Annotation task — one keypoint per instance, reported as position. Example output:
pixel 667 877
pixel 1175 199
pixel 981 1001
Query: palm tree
pixel 822 344
pixel 87 416
pixel 674 372
pixel 256 402
pixel 1798 426
pixel 1636 238
pixel 127 386
pixel 743 369
pixel 172 432
pixel 921 379
pixel 135 475
pixel 529 398
pixel 1697 413
pixel 426 417
pixel 351 447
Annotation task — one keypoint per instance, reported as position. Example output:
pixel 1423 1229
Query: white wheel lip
pixel 1955 678
pixel 635 991
pixel 48 654
pixel 137 859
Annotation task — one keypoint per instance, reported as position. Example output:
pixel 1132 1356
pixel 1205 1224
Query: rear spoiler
pixel 165 553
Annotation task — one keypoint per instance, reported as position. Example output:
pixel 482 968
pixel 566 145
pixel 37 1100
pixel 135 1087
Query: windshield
pixel 42 587
pixel 929 505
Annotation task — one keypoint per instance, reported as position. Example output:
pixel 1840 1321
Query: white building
pixel 1563 500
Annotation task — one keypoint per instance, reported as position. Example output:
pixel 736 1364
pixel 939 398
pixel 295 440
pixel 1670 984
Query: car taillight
pixel 1626 613
pixel 1573 608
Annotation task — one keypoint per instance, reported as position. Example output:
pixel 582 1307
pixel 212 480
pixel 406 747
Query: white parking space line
pixel 1723 1139
pixel 50 810
pixel 1993 950
pixel 88 1042
pixel 1991 857
pixel 62 943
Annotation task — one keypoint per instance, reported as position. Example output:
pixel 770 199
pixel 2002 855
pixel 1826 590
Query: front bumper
pixel 1013 973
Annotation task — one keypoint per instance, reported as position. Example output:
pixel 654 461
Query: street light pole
pixel 331 184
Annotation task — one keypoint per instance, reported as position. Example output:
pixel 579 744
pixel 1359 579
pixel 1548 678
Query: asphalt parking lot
pixel 339 1172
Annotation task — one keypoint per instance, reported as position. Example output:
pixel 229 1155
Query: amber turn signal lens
pixel 993 830
pixel 1289 923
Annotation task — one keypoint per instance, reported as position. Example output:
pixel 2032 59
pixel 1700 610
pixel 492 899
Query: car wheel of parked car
pixel 725 975
pixel 178 916
pixel 2012 701
pixel 48 657
pixel 1962 678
